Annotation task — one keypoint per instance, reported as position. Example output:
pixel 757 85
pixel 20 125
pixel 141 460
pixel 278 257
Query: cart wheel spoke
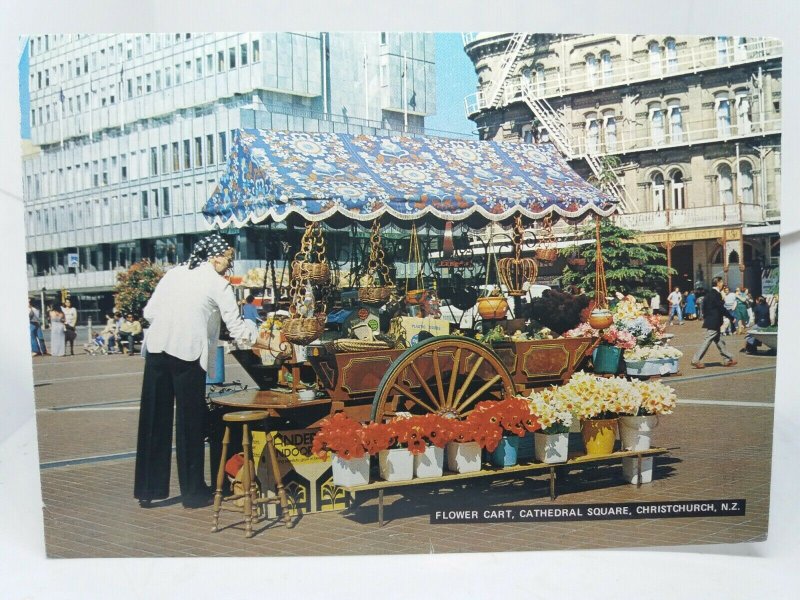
pixel 453 377
pixel 425 386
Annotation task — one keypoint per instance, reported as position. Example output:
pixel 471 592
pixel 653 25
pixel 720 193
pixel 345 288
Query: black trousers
pixel 168 382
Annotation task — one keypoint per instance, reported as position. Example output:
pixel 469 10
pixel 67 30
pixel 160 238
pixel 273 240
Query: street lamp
pixel 44 320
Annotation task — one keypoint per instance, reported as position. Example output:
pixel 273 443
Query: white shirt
pixel 70 315
pixel 674 298
pixel 184 314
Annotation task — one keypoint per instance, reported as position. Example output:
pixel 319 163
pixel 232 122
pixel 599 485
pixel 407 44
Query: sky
pixel 455 79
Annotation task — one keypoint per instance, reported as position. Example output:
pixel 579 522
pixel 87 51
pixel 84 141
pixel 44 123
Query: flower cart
pixel 338 180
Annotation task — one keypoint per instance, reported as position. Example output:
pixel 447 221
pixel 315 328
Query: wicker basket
pixel 316 273
pixel 374 295
pixel 547 254
pixel 304 330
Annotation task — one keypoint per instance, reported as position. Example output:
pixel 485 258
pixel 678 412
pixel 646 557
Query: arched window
pixel 607 72
pixel 675 121
pixel 746 182
pixel 671 51
pixel 743 124
pixel 592 133
pixel 723 111
pixel 540 80
pixel 610 126
pixel 725 184
pixel 654 52
pixel 656 123
pixel 722 49
pixel 591 70
pixel 657 184
pixel 678 191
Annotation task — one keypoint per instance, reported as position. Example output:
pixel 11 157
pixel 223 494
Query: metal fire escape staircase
pixel 548 117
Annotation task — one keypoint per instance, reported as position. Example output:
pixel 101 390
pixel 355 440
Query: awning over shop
pixel 272 174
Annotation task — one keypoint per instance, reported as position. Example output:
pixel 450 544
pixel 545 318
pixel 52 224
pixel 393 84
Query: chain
pixel 377 265
pixel 517 237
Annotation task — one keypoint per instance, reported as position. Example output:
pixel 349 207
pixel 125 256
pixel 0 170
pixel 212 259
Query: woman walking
pixel 184 313
pixel 57 332
pixel 690 308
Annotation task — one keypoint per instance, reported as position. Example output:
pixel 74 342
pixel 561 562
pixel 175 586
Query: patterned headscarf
pixel 208 247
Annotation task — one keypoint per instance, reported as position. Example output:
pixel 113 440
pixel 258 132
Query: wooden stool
pixel 250 496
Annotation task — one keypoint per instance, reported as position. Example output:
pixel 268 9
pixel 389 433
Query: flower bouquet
pixel 344 438
pixel 499 427
pixel 554 412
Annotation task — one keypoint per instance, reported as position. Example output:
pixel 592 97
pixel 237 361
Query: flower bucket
pixel 630 470
pixel 636 432
pixel 396 464
pixel 347 473
pixel 651 367
pixel 599 436
pixel 430 463
pixel 505 455
pixel 606 359
pixel 551 447
pixel 463 457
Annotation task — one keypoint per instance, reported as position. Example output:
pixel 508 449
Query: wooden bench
pixel 491 471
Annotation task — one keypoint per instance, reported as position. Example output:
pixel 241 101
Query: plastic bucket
pixel 219 378
pixel 606 359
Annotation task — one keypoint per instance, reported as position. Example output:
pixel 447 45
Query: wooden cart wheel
pixel 445 375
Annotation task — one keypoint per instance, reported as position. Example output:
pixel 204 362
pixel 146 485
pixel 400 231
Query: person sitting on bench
pixel 131 331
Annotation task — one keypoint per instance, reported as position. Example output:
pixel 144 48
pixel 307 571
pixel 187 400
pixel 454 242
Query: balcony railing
pixel 693 218
pixel 692 60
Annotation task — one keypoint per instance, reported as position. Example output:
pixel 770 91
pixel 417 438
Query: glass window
pixel 210 149
pixel 156 207
pixel 723 115
pixel 145 206
pixel 178 74
pixel 658 192
pixel 675 121
pixel 153 161
pixel 232 58
pixel 592 134
pixel 243 54
pixel 167 77
pixel 746 182
pixel 656 125
pixel 139 85
pixel 105 171
pixel 188 70
pixel 164 158
pixel 198 152
pixel 123 167
pixel 256 51
pixel 611 130
pixel 130 92
pixel 591 70
pixel 176 157
pixel 222 147
pixel 725 184
pixel 722 49
pixel 149 83
pixel 158 80
pixel 209 64
pixel 220 61
pixel 198 65
pixel 678 190
pixel 165 202
pixel 672 55
pixel 743 124
pixel 605 59
pixel 187 156
pixel 654 51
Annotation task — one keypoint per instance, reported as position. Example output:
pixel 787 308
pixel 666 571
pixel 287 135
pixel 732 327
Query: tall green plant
pixel 135 286
pixel 631 268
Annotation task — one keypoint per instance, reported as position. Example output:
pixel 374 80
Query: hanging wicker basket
pixel 375 295
pixel 547 255
pixel 304 330
pixel 316 273
pixel 515 272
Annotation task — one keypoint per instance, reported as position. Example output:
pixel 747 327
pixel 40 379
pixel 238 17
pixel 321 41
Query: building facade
pixel 130 133
pixel 692 126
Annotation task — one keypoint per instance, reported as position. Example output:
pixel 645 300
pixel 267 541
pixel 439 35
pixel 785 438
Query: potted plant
pixel 554 413
pixel 436 432
pixel 607 355
pixel 462 451
pixel 500 427
pixel 595 403
pixel 493 306
pixel 643 361
pixel 344 439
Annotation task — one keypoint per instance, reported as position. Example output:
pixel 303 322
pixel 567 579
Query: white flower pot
pixel 463 457
pixel 550 448
pixel 430 463
pixel 630 471
pixel 396 464
pixel 635 432
pixel 347 473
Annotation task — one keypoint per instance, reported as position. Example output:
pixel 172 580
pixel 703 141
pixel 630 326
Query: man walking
pixel 675 299
pixel 713 310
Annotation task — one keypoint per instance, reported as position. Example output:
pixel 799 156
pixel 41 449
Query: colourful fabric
pixel 272 174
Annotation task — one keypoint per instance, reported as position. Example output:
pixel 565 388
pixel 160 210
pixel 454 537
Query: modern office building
pixel 693 125
pixel 130 133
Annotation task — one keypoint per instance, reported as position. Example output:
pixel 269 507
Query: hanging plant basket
pixel 576 262
pixel 547 255
pixel 492 307
pixel 316 273
pixel 377 271
pixel 601 318
pixel 375 295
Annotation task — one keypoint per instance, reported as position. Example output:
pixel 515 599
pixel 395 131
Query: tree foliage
pixel 631 268
pixel 135 286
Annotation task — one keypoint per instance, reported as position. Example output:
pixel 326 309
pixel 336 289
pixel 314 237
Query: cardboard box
pixel 413 326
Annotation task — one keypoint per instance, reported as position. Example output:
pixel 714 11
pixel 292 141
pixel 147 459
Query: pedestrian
pixel 674 300
pixel 730 306
pixel 740 310
pixel 130 331
pixel 655 304
pixel 57 331
pixel 38 347
pixel 690 311
pixel 699 295
pixel 713 311
pixel 250 310
pixel 761 319
pixel 110 334
pixel 184 313
pixel 70 323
